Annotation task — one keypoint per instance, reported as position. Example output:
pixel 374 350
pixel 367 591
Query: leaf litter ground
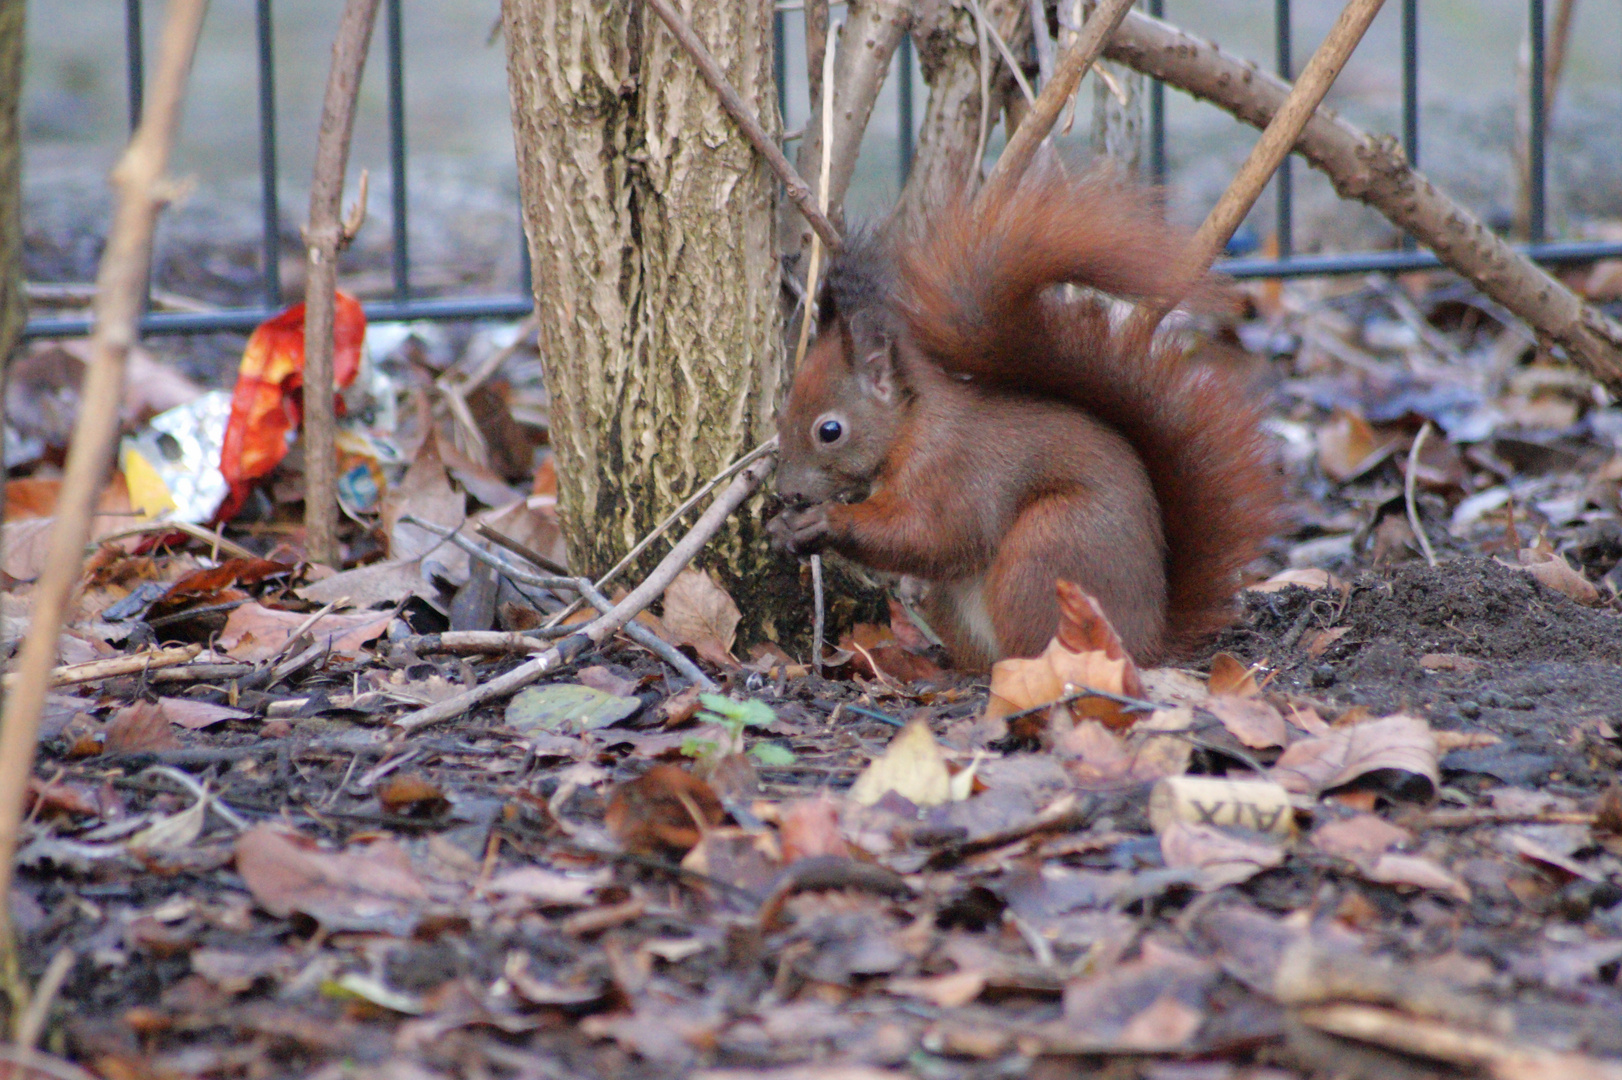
pixel 255 878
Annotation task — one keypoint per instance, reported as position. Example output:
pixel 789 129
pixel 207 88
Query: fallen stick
pixel 1278 138
pixel 765 448
pixel 142 191
pixel 324 237
pixel 610 621
pixel 638 633
pixel 113 666
pixel 1044 112
pixel 793 184
pixel 1373 171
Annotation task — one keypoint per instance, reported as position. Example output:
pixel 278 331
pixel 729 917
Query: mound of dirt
pixel 1472 645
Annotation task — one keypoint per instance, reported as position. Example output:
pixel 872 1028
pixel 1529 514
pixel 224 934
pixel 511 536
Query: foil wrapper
pixel 172 467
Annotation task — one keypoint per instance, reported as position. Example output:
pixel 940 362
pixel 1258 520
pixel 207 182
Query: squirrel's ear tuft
pixel 872 357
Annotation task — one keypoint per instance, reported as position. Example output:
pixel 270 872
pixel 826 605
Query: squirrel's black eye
pixel 830 430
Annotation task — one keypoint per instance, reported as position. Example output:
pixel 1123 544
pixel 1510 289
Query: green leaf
pixel 770 753
pixel 567 708
pixel 739 714
pixel 699 748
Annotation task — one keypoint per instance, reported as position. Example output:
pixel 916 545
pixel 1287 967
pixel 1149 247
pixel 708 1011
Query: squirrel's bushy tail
pixel 977 290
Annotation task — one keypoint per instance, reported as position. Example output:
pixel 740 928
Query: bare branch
pixel 120 290
pixel 1017 155
pixel 945 166
pixel 323 238
pixel 1373 171
pixel 866 42
pixel 1280 135
pixel 609 622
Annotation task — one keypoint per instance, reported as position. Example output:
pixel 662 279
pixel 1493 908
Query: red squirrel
pixel 962 419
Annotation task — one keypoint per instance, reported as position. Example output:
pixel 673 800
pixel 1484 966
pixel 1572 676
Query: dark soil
pixel 1546 669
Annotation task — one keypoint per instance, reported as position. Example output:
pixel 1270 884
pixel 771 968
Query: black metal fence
pixel 403 305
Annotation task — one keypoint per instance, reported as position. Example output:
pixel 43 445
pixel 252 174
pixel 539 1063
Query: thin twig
pixel 1007 53
pixel 610 622
pixel 1408 493
pixel 1044 112
pixel 767 447
pixel 44 1064
pixel 523 551
pixel 113 666
pixel 798 191
pixel 199 532
pixel 638 633
pixel 814 270
pixel 120 288
pixel 1268 154
pixel 983 53
pixel 323 239
pixel 31 1025
pixel 817 609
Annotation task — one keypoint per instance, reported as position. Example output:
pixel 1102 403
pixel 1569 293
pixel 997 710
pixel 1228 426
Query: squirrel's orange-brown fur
pixel 995 432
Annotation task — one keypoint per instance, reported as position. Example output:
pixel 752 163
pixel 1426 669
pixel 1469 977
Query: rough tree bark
pixel 651 233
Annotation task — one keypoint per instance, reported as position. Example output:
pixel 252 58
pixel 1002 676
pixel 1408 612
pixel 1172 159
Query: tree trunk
pixel 949 55
pixel 650 226
pixel 13 309
pixel 1118 125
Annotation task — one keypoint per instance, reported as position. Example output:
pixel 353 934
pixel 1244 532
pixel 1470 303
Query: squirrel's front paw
pixel 799 532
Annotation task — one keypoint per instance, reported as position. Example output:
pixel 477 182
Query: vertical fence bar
pixel 1537 222
pixel 904 68
pixel 1286 187
pixel 780 65
pixel 269 203
pixel 401 260
pixel 1410 91
pixel 1157 115
pixel 134 59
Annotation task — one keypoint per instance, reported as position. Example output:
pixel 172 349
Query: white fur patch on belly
pixel 968 600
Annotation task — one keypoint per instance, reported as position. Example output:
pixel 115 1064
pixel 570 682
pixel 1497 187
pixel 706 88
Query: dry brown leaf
pixel 1359 835
pixel 1083 627
pixel 1231 678
pixel 878 652
pixel 656 811
pixel 1348 446
pixel 1553 570
pixel 810 827
pixel 1018 684
pixel 1402 744
pixel 1306 577
pixel 912 766
pixel 549 887
pixel 409 793
pixel 364 887
pixel 1251 720
pixel 387 582
pixel 1464 665
pixel 945 991
pixel 1320 642
pixel 425 492
pixel 1099 756
pixel 1397 869
pixel 1221 858
pixel 698 612
pixel 139 729
pixel 253 632
pixel 195 715
pixel 1154 1004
